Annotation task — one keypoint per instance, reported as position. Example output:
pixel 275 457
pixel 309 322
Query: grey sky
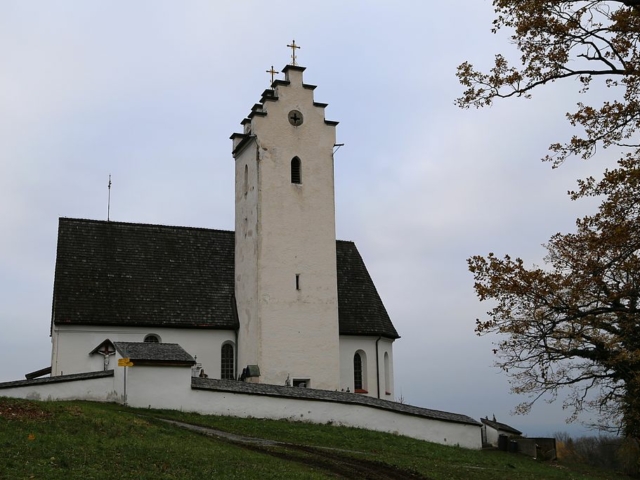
pixel 149 92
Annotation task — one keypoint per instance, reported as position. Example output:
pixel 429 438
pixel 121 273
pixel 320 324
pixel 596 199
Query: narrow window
pixel 357 372
pixel 296 174
pixel 152 338
pixel 246 180
pixel 226 363
pixel 387 374
pixel 297 281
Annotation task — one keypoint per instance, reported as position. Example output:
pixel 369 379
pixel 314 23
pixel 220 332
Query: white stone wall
pixel 150 386
pixel 94 389
pixel 246 257
pixel 285 230
pixel 349 345
pixel 169 388
pixel 491 435
pixel 359 416
pixel 72 344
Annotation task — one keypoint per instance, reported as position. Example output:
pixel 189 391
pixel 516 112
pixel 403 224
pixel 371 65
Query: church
pixel 276 319
pixel 279 301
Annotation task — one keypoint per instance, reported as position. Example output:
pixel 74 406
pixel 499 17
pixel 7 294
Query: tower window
pixel 297 281
pixel 246 180
pixel 226 362
pixel 296 173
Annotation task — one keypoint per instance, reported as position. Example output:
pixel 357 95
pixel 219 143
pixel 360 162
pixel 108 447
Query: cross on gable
pixel 293 47
pixel 272 72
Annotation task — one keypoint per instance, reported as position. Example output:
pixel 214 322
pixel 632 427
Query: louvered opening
pixel 296 174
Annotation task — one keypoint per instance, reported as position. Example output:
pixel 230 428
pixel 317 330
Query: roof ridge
pixel 111 222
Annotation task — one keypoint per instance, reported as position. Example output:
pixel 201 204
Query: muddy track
pixel 334 462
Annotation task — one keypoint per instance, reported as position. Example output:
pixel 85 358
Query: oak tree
pixel 569 39
pixel 575 322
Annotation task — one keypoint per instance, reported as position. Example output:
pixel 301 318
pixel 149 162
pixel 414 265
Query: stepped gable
pixel 240 140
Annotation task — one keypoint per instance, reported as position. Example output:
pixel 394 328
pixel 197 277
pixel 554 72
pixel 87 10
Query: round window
pixel 295 118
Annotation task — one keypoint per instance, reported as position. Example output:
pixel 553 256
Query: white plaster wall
pixel 155 387
pixel 169 387
pixel 242 405
pixel 349 345
pixel 95 389
pixel 246 258
pixel 295 234
pixel 387 391
pixel 72 344
pixel 492 435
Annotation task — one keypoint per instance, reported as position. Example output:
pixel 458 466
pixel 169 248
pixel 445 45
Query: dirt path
pixel 337 463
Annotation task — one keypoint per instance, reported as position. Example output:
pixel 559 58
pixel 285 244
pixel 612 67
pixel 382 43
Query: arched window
pixel 152 338
pixel 357 372
pixel 360 372
pixel 296 170
pixel 226 362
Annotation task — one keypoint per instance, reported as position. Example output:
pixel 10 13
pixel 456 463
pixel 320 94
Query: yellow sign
pixel 125 362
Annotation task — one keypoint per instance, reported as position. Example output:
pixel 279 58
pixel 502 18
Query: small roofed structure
pixel 155 354
pixel 492 429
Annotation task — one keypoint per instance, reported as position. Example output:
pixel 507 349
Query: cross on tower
pixel 272 72
pixel 293 47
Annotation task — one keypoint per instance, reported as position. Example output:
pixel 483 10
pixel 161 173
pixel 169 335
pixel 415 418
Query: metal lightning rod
pixel 109 200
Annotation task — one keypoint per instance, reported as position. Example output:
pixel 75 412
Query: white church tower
pixel 285 243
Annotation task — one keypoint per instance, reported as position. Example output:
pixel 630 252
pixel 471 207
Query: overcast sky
pixel 149 92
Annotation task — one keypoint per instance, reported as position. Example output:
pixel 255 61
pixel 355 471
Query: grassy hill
pixel 83 440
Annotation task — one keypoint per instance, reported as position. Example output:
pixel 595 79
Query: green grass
pixel 87 441
pixel 83 440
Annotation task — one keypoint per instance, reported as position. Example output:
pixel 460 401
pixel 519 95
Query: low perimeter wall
pixel 170 388
pixel 96 386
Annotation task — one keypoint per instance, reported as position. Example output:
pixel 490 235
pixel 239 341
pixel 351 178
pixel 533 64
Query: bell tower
pixel 285 250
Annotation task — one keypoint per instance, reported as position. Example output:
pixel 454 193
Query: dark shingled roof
pixel 164 353
pixel 57 379
pixel 114 273
pixel 360 308
pixel 326 396
pixel 500 426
